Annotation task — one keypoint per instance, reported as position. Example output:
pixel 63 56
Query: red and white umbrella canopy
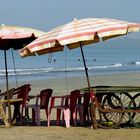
pixel 84 31
pixel 17 37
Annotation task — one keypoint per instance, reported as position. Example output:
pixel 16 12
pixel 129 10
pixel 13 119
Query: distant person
pixel 54 60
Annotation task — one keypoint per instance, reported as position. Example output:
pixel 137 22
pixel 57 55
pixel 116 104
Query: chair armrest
pixel 36 97
pixel 5 94
pixel 31 97
pixel 63 98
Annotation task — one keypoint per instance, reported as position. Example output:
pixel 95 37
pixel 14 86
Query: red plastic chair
pixel 44 98
pixel 19 107
pixel 68 106
pixel 83 107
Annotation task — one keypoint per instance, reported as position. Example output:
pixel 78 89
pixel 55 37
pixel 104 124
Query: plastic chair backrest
pixel 86 99
pixel 22 92
pixel 44 98
pixel 5 94
pixel 74 95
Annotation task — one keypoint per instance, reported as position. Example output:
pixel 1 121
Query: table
pixel 2 111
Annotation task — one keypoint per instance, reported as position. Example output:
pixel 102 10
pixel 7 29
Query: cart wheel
pixel 115 116
pixel 128 103
pixel 136 119
pixel 92 115
pixel 111 118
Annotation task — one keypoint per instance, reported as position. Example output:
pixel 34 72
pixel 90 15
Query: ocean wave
pixel 137 63
pixel 107 66
pixel 12 72
pixel 134 63
pixel 52 70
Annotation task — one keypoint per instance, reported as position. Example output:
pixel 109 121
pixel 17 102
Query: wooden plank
pixel 12 100
pixel 112 89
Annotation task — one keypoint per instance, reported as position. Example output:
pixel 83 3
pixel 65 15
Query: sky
pixel 48 14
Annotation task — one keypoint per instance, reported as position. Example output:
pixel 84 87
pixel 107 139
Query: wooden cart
pixel 113 106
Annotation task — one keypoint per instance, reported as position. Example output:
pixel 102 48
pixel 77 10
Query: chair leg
pixel 49 116
pixel 38 116
pixel 73 117
pixel 81 115
pixel 33 115
pixel 86 115
pixel 58 116
pixel 46 110
pixel 16 113
pixel 67 117
pixel 21 116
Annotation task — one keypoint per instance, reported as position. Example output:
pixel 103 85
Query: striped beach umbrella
pixel 15 37
pixel 78 33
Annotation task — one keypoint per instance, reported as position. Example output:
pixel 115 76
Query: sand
pixel 73 133
pixel 64 86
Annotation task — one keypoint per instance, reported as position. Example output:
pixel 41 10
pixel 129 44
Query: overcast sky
pixel 47 14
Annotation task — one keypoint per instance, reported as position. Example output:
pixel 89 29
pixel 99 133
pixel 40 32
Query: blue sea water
pixel 109 57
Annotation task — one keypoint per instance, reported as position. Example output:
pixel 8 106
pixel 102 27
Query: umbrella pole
pixel 89 88
pixel 86 69
pixel 7 86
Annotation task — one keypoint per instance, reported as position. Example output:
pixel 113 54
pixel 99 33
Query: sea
pixel 121 55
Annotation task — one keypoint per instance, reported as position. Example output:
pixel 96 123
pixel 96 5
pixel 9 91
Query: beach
pixel 63 86
pixel 102 34
pixel 77 133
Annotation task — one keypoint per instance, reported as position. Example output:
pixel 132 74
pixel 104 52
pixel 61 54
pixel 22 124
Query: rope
pixel 66 80
pixel 12 52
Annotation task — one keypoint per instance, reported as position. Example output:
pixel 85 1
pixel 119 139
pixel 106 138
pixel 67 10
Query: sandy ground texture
pixel 64 86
